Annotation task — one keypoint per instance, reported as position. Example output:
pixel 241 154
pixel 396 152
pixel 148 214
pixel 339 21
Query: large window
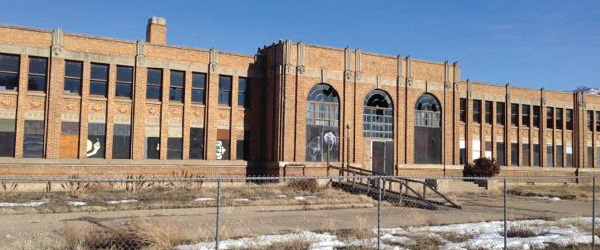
pixel 96 141
pixel 427 130
pixel 514 114
pixel 477 111
pixel 38 70
pixel 198 87
pixel 242 92
pixel 559 118
pixel 500 158
pixel 536 116
pixel 176 86
pixel 73 77
pixel 550 117
pixel 569 119
pixel 7 137
pixel 322 117
pixel 99 79
pixel 378 117
pixel 9 72
pixel 225 90
pixel 500 113
pixel 525 116
pixel 488 112
pixel 590 120
pixel 154 86
pixel 124 81
pixel 463 110
pixel 549 156
pixel 121 141
pixel 33 142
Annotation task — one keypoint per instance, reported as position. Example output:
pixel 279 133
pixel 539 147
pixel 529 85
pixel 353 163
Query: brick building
pixel 78 104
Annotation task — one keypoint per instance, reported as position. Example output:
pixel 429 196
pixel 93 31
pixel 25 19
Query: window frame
pixel 526 115
pixel 243 101
pixel 559 118
pixel 463 110
pixel 550 118
pixel 477 111
pixel 500 113
pixel 154 84
pixel 514 114
pixel 536 116
pixel 178 98
pixel 121 82
pixel 224 93
pixel 569 119
pixel 31 74
pixel 9 72
pixel 488 112
pixel 199 89
pixel 99 81
pixel 73 77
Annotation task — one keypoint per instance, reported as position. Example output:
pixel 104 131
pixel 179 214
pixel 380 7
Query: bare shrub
pixel 75 188
pixel 520 232
pixel 140 234
pixel 304 185
pixel 482 167
pixel 425 242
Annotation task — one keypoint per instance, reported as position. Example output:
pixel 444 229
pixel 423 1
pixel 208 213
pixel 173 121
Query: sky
pixel 534 44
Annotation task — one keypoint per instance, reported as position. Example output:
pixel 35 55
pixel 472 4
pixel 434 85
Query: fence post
pixel 379 182
pixel 218 229
pixel 505 217
pixel 594 212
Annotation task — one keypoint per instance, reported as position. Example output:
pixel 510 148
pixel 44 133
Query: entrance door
pixel 382 157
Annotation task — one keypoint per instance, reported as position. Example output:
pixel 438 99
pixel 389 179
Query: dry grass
pixel 298 243
pixel 425 242
pixel 520 232
pixel 575 192
pixel 172 195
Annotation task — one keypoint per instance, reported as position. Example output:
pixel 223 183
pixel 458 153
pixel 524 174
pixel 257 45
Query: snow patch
pixel 24 204
pixel 76 203
pixel 204 199
pixel 242 200
pixel 121 202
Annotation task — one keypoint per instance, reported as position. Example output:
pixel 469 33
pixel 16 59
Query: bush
pixel 482 167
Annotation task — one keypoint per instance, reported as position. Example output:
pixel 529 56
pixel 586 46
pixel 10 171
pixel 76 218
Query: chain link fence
pixel 351 210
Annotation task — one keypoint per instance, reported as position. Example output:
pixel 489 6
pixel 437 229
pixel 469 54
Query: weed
pixel 520 232
pixel 75 188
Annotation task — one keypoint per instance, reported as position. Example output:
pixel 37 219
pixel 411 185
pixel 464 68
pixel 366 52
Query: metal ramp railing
pixel 399 189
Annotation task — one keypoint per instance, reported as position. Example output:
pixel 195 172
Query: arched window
pixel 427 130
pixel 378 117
pixel 322 116
pixel 427 112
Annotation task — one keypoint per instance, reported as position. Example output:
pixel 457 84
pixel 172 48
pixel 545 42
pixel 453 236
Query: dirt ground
pixel 258 220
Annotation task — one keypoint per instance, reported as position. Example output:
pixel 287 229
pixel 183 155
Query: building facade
pixel 78 104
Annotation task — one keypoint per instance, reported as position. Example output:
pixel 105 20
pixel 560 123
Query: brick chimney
pixel 156 31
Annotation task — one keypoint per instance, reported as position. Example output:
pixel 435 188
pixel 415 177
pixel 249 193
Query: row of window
pixel 530 115
pixel 33 142
pixel 521 156
pixel 38 71
pixel 591 122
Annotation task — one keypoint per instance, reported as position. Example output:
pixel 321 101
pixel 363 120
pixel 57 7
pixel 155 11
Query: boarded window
pixel 69 139
pixel 550 156
pixel 223 141
pixel 242 149
pixel 559 155
pixel 590 156
pixel 514 154
pixel 196 143
pixel 500 154
pixel 536 155
pixel 525 149
pixel 7 137
pixel 174 148
pixel 122 141
pixel 96 141
pixel 33 141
